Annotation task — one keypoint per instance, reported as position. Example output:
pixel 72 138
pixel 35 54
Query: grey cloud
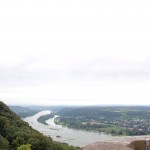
pixel 97 69
pixel 113 68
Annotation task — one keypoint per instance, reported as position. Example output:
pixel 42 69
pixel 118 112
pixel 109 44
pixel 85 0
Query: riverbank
pixel 72 136
pixel 63 134
pixel 113 130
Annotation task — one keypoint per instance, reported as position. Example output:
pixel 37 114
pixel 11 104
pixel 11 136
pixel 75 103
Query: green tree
pixel 16 134
pixel 4 144
pixel 120 132
pixel 24 147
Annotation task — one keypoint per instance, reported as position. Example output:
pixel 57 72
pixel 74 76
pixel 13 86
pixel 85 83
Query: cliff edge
pixel 134 145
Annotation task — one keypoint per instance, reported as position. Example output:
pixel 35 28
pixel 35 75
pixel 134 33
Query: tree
pixel 4 144
pixel 120 132
pixel 24 147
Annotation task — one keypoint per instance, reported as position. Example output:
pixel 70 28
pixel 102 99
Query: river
pixel 64 134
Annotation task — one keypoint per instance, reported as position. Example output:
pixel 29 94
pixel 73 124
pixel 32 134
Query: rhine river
pixel 64 134
pixel 72 136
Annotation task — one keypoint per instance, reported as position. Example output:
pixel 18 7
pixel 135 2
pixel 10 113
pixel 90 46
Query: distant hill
pixel 14 132
pixel 24 111
pixel 51 108
pixel 115 120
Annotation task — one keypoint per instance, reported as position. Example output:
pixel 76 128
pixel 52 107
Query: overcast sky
pixel 75 52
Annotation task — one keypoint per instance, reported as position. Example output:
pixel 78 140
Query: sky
pixel 75 52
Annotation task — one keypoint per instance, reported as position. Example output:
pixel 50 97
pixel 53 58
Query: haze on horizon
pixel 75 52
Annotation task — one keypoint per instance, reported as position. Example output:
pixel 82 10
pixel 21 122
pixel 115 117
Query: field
pixel 121 120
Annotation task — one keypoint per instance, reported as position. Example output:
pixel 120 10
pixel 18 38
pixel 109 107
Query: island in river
pixel 114 120
pixel 66 135
pixel 73 136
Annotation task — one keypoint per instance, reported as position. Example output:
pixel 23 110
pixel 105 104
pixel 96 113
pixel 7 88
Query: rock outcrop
pixel 140 145
pixel 134 145
pixel 106 146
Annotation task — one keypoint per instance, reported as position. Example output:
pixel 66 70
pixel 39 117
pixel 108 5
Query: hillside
pixel 116 120
pixel 23 111
pixel 14 132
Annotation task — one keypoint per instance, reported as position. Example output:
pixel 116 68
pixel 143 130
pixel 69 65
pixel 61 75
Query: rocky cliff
pixel 106 146
pixel 140 145
pixel 134 145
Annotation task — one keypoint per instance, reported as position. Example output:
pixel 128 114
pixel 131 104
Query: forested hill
pixel 15 133
pixel 23 111
pixel 116 120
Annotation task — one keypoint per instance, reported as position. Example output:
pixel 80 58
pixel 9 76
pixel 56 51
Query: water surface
pixel 64 134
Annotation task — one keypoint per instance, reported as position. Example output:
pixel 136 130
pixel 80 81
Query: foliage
pixel 116 120
pixel 15 132
pixel 42 119
pixel 4 144
pixel 24 147
pixel 23 111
